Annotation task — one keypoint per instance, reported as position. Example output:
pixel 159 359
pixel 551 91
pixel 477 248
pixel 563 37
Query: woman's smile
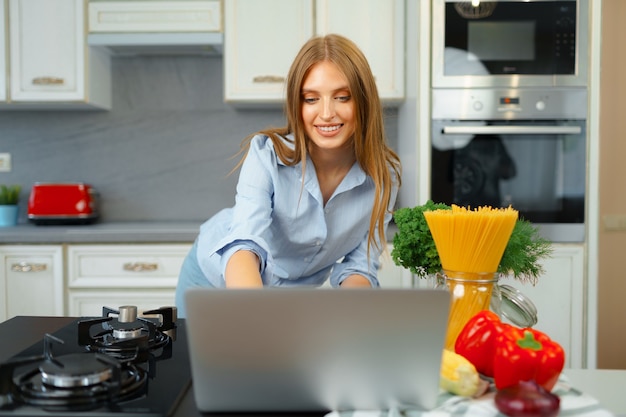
pixel 329 130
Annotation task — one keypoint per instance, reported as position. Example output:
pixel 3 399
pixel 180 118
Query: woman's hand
pixel 242 270
pixel 356 281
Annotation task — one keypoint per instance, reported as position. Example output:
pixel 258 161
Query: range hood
pixel 128 44
pixel 156 27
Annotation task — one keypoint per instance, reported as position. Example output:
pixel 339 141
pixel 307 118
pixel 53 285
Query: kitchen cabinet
pixel 559 296
pixel 155 16
pixel 391 275
pixel 377 27
pixel 257 59
pixel 113 275
pixel 50 64
pixel 3 52
pixel 31 280
pixel 259 45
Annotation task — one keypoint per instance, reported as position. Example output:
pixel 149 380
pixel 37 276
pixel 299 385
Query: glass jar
pixel 472 292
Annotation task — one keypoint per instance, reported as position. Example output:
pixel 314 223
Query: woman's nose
pixel 328 109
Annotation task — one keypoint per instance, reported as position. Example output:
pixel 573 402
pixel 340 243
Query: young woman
pixel 313 198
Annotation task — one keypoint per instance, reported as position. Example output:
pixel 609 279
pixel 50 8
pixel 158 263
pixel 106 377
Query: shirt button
pixel 326 210
pixel 318 243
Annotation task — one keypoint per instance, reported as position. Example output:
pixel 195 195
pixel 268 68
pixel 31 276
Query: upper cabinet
pixel 50 65
pixel 377 27
pixel 257 58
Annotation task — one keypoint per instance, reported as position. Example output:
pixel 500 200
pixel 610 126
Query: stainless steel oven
pixel 513 43
pixel 521 147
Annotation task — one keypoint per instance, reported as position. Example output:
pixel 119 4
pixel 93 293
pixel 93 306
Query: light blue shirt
pixel 299 240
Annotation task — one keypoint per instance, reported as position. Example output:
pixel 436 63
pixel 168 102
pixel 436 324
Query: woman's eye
pixel 310 100
pixel 344 99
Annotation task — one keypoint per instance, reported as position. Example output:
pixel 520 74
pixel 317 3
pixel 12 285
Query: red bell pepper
pixel 527 355
pixel 477 340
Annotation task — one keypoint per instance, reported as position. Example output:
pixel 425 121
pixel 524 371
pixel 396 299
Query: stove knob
pixel 128 314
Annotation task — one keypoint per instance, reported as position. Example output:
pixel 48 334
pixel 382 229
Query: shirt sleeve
pixel 253 207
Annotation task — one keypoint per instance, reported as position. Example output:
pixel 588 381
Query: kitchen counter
pixel 108 232
pixel 20 332
pixel 112 232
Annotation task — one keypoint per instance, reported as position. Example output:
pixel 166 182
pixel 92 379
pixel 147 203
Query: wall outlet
pixel 614 222
pixel 5 162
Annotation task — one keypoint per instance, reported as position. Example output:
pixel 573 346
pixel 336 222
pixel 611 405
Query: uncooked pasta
pixel 470 244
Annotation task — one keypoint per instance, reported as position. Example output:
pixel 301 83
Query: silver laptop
pixel 281 350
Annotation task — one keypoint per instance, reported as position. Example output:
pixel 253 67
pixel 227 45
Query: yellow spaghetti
pixel 470 244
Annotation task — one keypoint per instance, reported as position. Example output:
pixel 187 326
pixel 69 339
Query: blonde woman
pixel 314 198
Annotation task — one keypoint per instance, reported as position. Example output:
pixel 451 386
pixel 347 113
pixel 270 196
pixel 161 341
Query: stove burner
pixel 76 381
pixel 125 383
pixel 75 370
pixel 128 327
pixel 126 336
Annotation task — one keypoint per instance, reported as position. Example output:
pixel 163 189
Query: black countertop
pixel 21 332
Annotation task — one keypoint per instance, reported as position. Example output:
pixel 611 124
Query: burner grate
pixel 130 388
pixel 125 336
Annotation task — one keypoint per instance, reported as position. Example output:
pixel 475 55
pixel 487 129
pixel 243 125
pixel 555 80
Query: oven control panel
pixel 505 104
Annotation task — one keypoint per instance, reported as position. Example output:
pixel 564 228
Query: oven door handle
pixel 512 130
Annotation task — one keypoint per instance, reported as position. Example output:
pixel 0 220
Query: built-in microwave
pixel 509 43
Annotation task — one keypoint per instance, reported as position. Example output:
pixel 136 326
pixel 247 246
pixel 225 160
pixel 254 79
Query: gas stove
pixel 118 364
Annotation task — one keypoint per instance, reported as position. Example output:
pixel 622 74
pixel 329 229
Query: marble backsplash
pixel 163 153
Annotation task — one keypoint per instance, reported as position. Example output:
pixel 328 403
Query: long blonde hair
pixel 372 153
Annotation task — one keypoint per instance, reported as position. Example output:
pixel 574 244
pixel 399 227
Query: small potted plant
pixel 9 198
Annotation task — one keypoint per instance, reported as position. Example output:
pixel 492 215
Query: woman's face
pixel 328 107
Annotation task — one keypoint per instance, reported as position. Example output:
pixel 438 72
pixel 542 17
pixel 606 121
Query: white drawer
pixel 125 266
pixel 155 16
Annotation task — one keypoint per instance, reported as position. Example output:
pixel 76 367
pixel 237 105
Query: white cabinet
pixel 377 27
pixel 50 64
pixel 391 275
pixel 257 57
pixel 260 44
pixel 3 52
pixel 31 280
pixel 155 16
pixel 559 296
pixel 114 275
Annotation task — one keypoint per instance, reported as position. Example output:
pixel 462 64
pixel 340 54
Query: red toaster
pixel 62 203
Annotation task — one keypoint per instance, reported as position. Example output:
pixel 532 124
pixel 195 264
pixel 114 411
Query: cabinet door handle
pixel 140 266
pixel 48 81
pixel 268 79
pixel 28 267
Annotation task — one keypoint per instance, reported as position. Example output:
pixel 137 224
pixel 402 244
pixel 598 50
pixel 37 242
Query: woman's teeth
pixel 329 128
